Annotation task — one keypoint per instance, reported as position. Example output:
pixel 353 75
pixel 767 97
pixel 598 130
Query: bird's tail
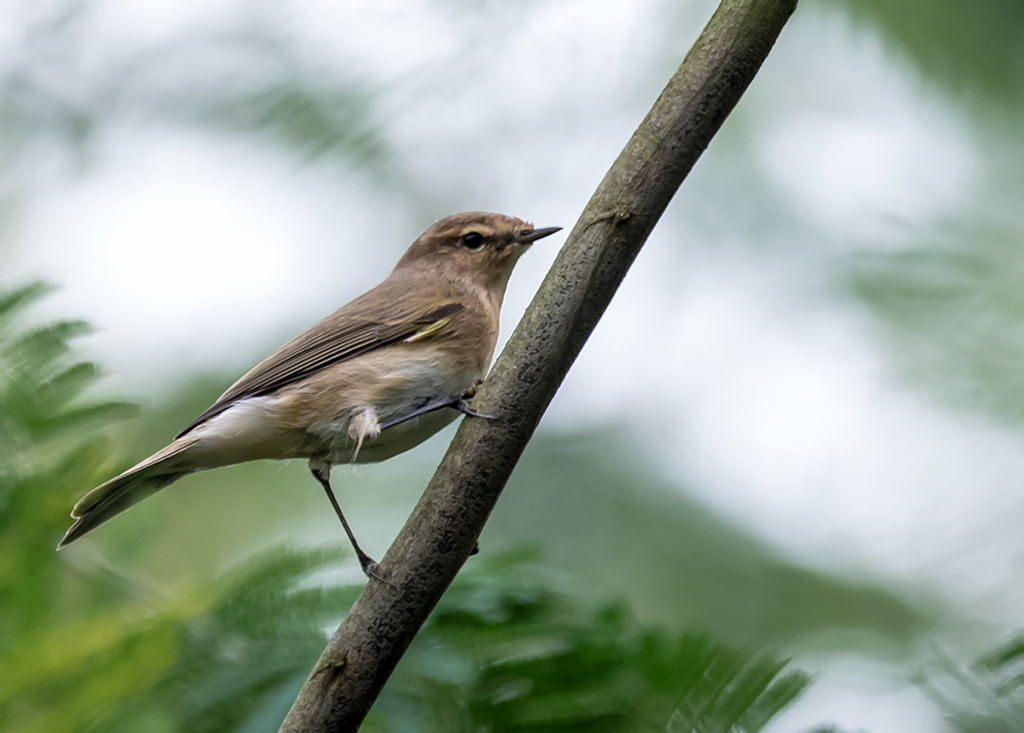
pixel 122 492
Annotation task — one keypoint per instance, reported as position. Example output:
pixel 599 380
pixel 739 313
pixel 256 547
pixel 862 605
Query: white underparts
pixel 362 425
pixel 252 416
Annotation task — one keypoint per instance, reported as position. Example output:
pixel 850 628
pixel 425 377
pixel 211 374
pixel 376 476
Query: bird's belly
pixel 399 392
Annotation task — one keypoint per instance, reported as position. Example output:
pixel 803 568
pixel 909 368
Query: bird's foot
pixel 458 402
pixel 462 406
pixel 370 567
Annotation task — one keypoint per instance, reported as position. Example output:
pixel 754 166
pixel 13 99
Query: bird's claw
pixel 370 567
pixel 462 406
pixel 460 403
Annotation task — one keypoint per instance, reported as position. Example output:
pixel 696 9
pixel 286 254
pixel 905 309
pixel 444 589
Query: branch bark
pixel 442 530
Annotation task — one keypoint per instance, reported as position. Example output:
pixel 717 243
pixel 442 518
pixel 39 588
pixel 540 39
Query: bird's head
pixel 477 245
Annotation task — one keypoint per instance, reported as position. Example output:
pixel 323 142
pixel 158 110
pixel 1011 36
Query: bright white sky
pixel 726 349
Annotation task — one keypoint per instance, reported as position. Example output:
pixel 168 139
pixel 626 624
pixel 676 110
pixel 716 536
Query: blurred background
pixel 779 490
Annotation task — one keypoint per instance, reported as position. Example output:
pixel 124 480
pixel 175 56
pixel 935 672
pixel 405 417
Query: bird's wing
pixel 363 325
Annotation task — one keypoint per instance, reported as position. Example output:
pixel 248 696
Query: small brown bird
pixel 373 379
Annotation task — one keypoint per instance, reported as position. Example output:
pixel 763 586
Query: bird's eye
pixel 473 240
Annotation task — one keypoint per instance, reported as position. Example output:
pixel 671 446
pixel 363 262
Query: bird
pixel 375 378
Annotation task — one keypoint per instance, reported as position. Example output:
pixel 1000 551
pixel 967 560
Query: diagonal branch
pixel 442 530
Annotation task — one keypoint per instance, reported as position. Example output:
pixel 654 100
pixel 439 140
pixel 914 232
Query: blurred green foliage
pixel 987 696
pixel 250 81
pixel 955 313
pixel 519 653
pixel 951 302
pixel 973 49
pixel 49 448
pixel 597 507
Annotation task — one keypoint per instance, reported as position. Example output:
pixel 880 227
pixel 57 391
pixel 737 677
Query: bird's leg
pixel 321 471
pixel 455 401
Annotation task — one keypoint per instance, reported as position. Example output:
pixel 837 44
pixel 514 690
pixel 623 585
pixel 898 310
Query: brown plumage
pixel 373 379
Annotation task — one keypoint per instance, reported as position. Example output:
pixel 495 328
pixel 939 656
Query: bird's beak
pixel 533 236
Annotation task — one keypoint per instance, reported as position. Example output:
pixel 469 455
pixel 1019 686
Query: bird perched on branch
pixel 373 379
